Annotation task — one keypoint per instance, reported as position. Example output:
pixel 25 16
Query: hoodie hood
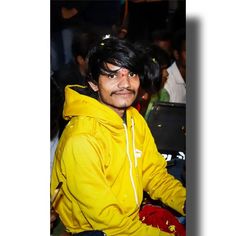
pixel 77 104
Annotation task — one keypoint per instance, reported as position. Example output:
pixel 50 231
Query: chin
pixel 125 105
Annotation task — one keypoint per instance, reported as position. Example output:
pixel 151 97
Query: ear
pixel 93 86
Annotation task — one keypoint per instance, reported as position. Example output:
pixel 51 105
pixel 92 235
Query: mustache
pixel 122 90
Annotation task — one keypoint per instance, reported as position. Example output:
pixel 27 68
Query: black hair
pixel 114 51
pixel 161 56
pixel 151 76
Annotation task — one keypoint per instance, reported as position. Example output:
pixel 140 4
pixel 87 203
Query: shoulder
pixel 82 132
pixel 135 114
pixel 79 126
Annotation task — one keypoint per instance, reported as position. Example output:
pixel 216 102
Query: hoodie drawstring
pixel 133 139
pixel 130 162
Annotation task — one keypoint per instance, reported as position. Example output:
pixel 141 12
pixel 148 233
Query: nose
pixel 124 81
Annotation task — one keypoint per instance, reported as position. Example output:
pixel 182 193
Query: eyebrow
pixel 109 71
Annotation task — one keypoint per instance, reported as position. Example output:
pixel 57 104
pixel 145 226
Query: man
pixel 106 156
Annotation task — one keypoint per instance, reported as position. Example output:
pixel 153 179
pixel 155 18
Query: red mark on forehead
pixel 123 71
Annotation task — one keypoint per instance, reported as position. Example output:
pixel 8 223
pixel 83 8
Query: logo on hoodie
pixel 137 153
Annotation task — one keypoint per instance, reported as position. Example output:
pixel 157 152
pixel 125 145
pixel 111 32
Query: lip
pixel 123 93
pixel 126 93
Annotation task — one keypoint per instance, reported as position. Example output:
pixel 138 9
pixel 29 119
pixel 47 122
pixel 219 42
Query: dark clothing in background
pixel 90 14
pixel 56 20
pixel 69 74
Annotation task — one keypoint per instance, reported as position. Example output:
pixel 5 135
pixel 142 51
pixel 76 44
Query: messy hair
pixel 114 51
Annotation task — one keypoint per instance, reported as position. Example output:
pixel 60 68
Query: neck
pixel 120 112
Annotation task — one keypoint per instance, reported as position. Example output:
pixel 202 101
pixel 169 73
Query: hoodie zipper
pixel 131 165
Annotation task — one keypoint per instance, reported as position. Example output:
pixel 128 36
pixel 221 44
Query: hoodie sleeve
pixel 157 181
pixel 87 184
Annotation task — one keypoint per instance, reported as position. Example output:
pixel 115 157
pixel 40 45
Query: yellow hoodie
pixel 105 165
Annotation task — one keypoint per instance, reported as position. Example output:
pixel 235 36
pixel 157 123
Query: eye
pixel 111 76
pixel 131 74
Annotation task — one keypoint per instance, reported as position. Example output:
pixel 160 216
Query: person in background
pixel 69 17
pixel 106 156
pixel 176 82
pixel 75 72
pixel 156 61
pixel 161 57
pixel 66 18
pixel 163 39
pixel 151 80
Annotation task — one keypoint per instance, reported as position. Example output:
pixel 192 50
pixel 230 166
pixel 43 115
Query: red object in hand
pixel 161 218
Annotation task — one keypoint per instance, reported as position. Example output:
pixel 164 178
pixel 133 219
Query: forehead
pixel 116 68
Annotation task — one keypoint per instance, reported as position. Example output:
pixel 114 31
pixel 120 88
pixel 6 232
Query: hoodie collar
pixel 77 104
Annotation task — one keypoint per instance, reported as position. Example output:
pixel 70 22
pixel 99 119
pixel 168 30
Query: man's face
pixel 118 89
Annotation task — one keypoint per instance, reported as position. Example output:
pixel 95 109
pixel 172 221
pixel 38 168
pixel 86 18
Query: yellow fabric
pixel 99 182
